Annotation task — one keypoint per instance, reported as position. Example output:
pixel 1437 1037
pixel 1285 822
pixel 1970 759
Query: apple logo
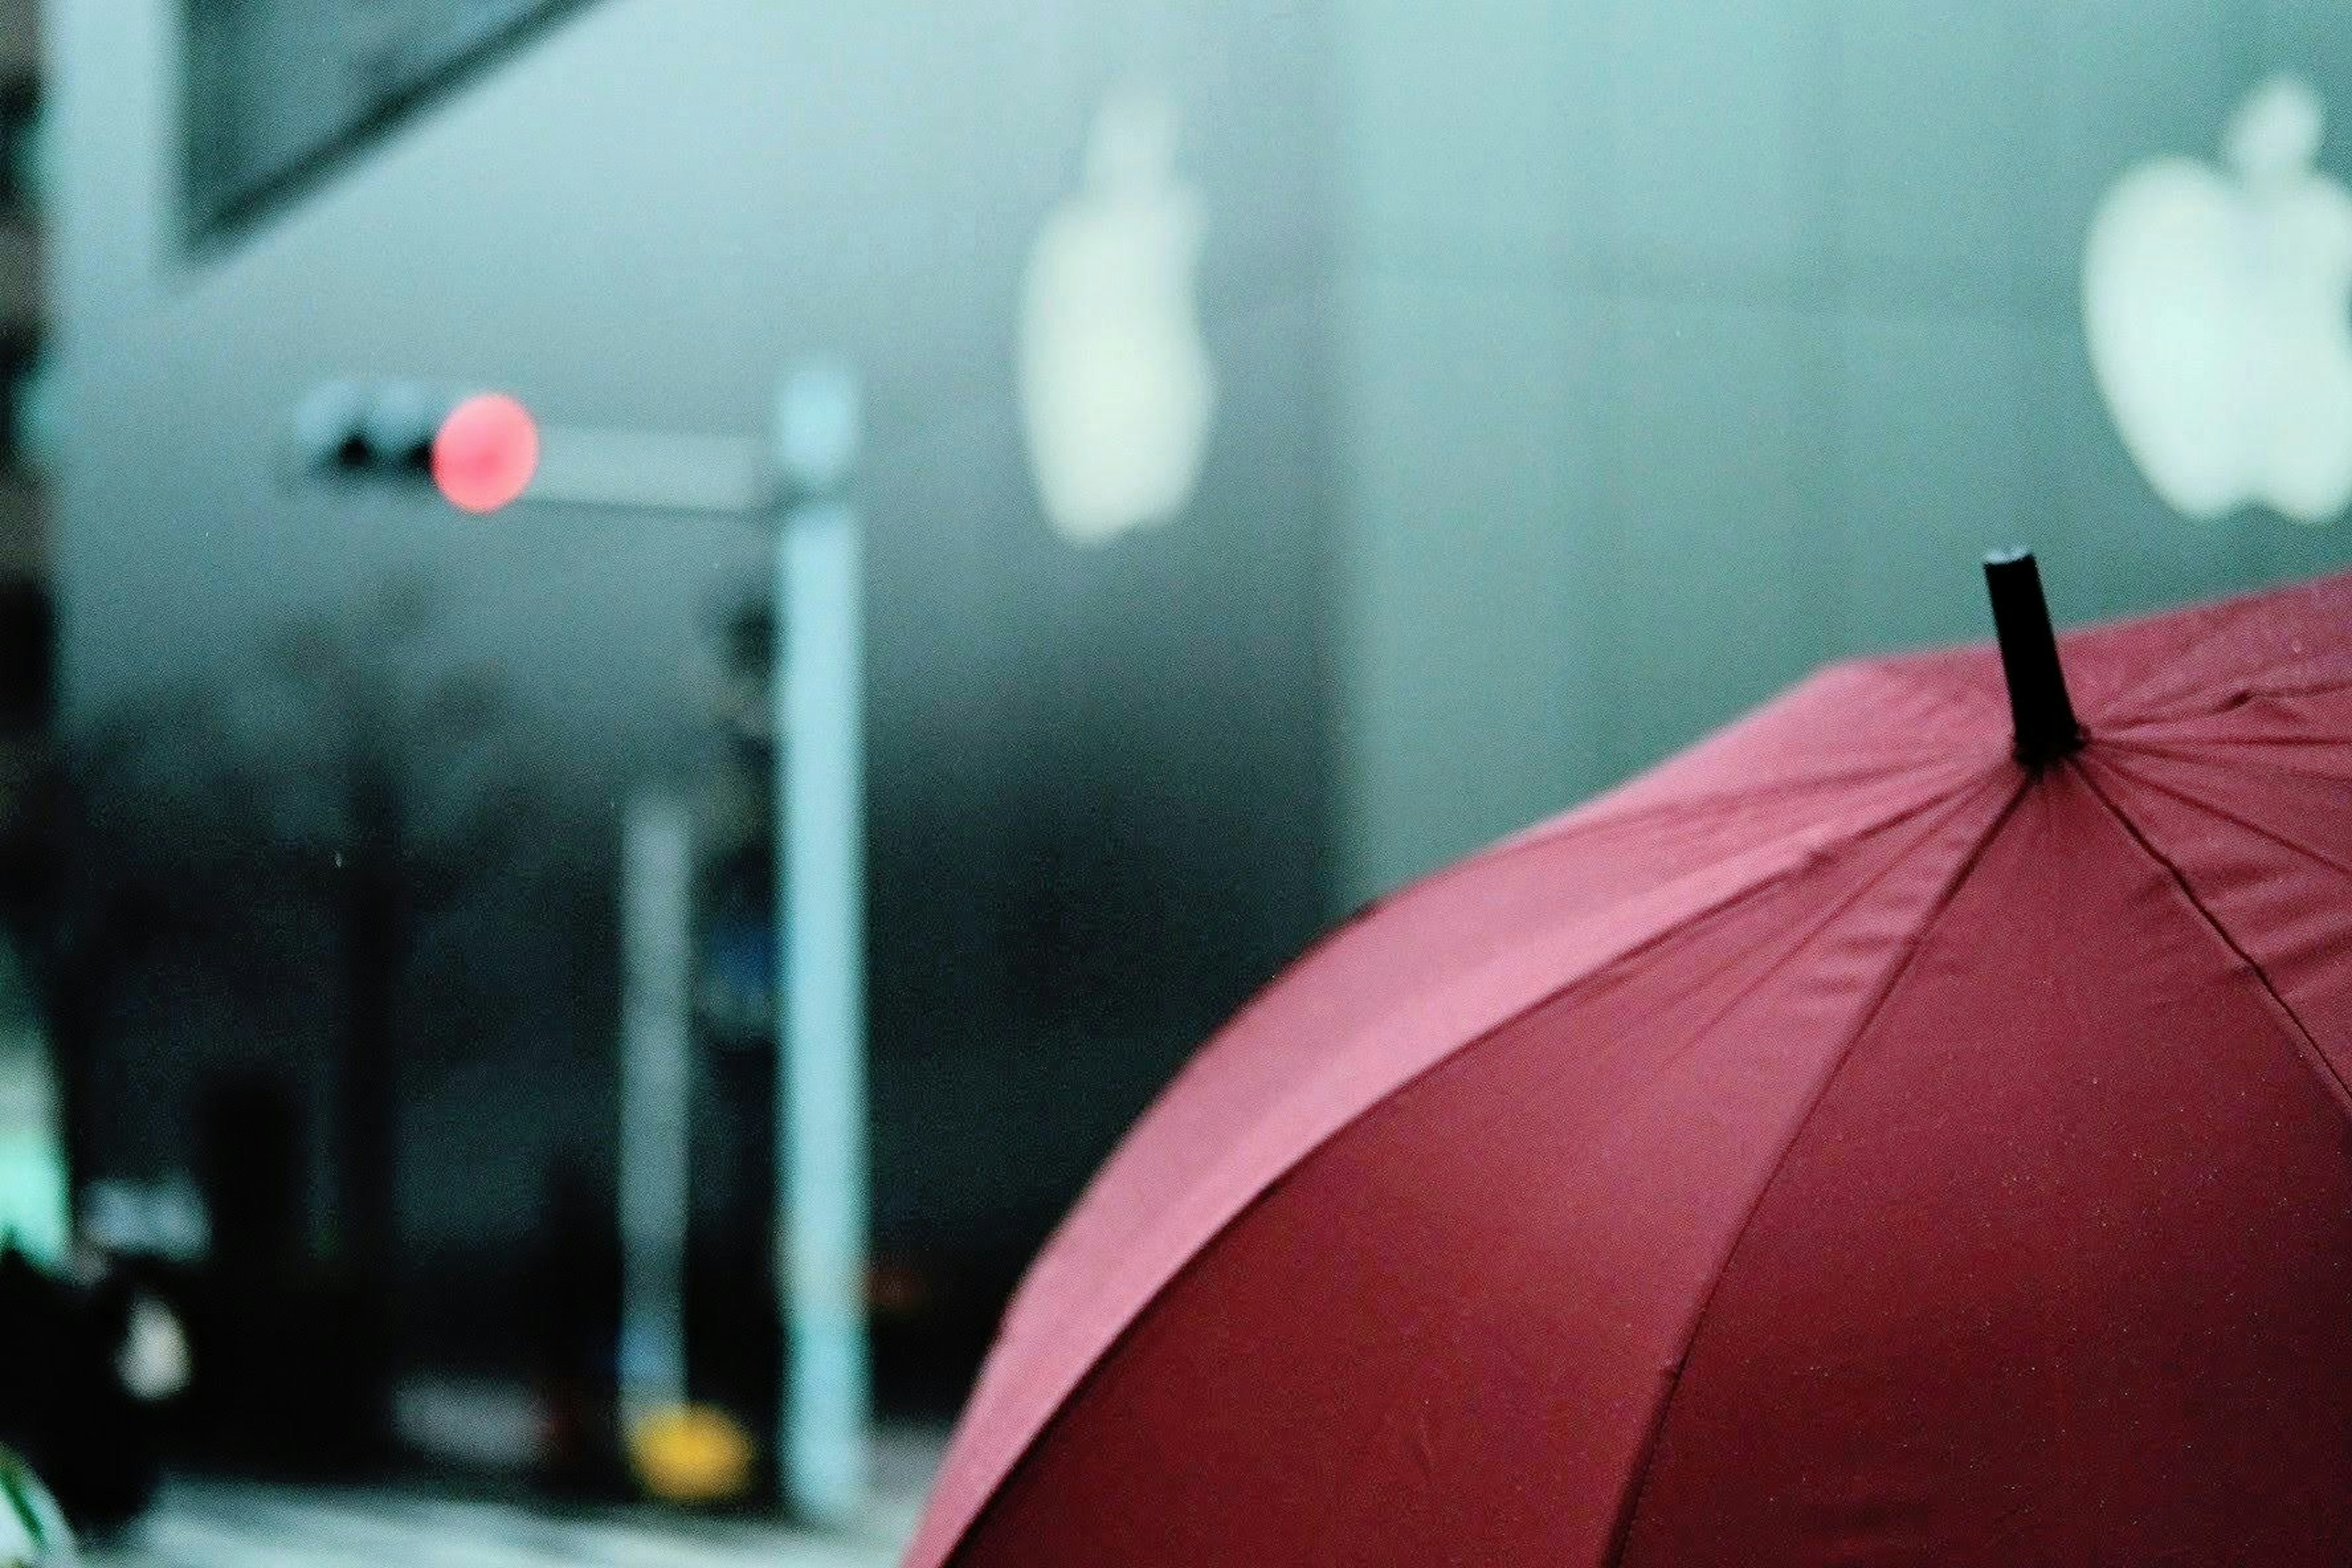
pixel 1116 391
pixel 2217 308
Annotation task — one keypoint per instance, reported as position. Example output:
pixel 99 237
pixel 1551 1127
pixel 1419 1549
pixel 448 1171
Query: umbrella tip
pixel 2037 704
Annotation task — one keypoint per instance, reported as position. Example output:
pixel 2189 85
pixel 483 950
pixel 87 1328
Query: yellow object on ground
pixel 692 1454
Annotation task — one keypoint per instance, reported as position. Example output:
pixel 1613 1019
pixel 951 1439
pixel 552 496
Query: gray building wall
pixel 1098 778
pixel 1686 346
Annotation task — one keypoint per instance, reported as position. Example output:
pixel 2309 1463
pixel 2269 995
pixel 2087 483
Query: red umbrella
pixel 1886 1134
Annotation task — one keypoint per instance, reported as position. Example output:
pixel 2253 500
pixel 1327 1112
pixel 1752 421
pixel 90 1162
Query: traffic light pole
pixel 797 485
pixel 817 685
pixel 795 482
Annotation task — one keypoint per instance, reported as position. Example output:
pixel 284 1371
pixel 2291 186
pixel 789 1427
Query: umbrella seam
pixel 1595 815
pixel 1829 917
pixel 2190 706
pixel 1637 1486
pixel 2314 1060
pixel 1845 837
pixel 2198 803
pixel 2245 752
pixel 2224 623
pixel 1591 819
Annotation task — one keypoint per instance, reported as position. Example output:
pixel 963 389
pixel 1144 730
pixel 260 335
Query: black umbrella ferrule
pixel 2042 713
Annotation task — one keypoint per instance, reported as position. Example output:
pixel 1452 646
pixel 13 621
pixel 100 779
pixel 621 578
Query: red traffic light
pixel 485 452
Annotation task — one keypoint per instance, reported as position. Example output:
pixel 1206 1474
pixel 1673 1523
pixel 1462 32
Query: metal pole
pixel 656 917
pixel 818 687
pixel 794 480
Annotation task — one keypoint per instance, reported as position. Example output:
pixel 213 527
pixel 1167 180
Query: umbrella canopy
pixel 1847 1143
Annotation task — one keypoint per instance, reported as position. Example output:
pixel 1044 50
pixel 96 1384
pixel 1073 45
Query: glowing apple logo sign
pixel 2219 312
pixel 1116 391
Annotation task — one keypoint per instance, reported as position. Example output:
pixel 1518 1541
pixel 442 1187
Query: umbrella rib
pixel 2246 752
pixel 2200 705
pixel 1603 814
pixel 2225 623
pixel 2308 1046
pixel 1804 936
pixel 1638 1484
pixel 1955 788
pixel 2214 808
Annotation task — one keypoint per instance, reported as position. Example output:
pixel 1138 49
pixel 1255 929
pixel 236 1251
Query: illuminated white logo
pixel 1116 388
pixel 2217 308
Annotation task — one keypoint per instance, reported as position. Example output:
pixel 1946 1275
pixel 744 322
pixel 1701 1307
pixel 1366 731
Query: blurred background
pixel 1296 445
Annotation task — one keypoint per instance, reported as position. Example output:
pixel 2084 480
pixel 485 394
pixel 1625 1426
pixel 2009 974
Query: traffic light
pixel 479 450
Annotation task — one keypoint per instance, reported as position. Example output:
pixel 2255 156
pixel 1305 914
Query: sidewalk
pixel 222 1524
